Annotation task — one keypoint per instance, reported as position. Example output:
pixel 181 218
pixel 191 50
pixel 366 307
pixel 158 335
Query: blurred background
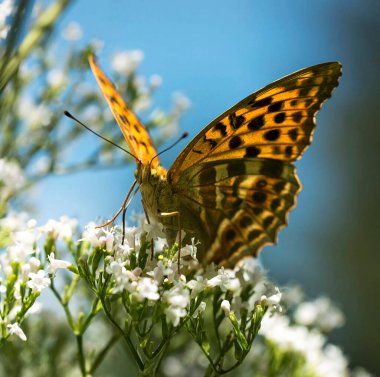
pixel 219 52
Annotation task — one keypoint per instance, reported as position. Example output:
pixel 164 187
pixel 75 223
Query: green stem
pixel 81 359
pixel 131 347
pixel 102 354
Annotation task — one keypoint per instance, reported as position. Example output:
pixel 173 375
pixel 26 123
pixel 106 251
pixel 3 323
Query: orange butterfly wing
pixel 135 134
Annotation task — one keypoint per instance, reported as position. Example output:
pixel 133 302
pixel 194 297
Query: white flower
pixel 91 234
pixel 55 264
pixel 190 250
pixel 272 298
pixel 226 307
pixel 178 299
pixel 147 289
pixel 331 362
pixel 131 236
pixel 197 285
pixel 11 178
pixel 56 78
pixel 321 312
pixel 325 361
pixel 126 62
pixel 226 280
pixel 107 240
pixel 34 264
pixel 162 270
pixel 14 328
pixel 38 281
pixel 72 32
pixel 25 271
pixel 64 228
pixel 14 221
pixel 174 314
pixel 153 230
pixel 181 102
pixel 142 103
pixel 33 114
pixel 155 81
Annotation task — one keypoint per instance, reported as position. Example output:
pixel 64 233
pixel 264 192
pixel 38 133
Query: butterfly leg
pixel 151 241
pixel 123 207
pixel 171 214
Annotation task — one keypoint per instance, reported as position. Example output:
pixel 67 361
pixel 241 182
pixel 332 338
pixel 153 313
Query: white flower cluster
pixel 23 275
pixel 323 359
pixel 160 281
pixel 11 178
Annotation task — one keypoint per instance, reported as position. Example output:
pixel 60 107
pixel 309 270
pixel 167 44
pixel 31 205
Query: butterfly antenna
pixel 95 133
pixel 183 136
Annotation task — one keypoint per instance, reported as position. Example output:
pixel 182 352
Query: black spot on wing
pixel 275 107
pixel 222 128
pixel 235 142
pixel 279 118
pixel 253 234
pixel 297 116
pixel 293 134
pixel 261 103
pixel 272 135
pixel 245 221
pixel 236 121
pixel 252 152
pixel 259 197
pixel 256 123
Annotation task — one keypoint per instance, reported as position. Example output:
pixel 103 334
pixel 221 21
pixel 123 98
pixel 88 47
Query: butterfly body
pixel 234 184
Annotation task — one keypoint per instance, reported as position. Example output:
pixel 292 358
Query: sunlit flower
pixel 126 62
pixel 35 115
pixel 56 78
pixel 272 298
pixel 178 299
pixel 72 32
pixel 107 240
pixel 155 81
pixel 181 102
pixel 14 328
pixel 62 229
pixel 92 234
pixel 226 307
pixel 11 178
pixel 38 281
pixel 55 264
pixel 154 230
pixel 321 313
pixel 147 289
pixel 226 280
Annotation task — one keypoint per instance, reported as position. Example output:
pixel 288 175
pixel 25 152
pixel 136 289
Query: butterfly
pixel 234 184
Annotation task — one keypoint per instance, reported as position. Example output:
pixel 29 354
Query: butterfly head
pixel 148 174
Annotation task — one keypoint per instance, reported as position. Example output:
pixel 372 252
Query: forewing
pixel 276 122
pixel 135 133
pixel 236 206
